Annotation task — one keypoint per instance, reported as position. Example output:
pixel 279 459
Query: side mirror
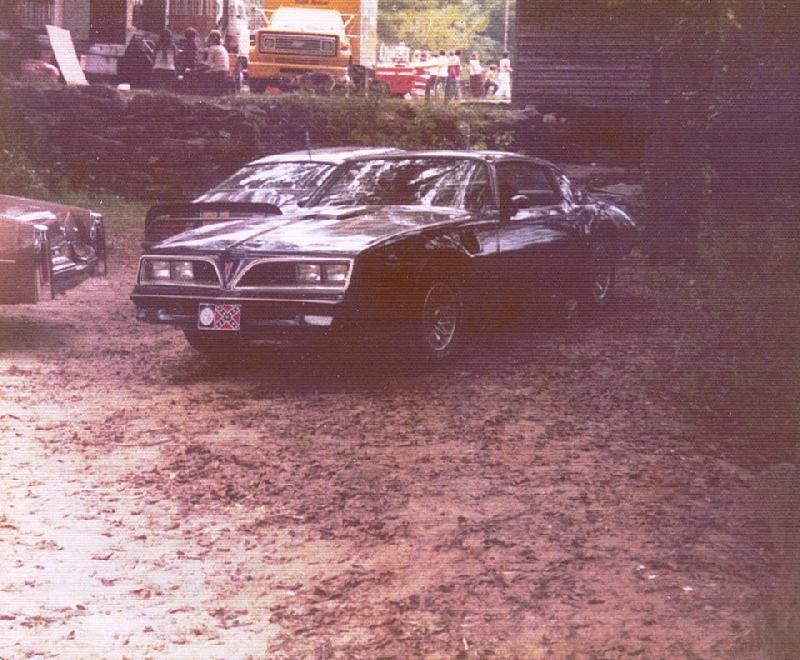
pixel 520 202
pixel 580 195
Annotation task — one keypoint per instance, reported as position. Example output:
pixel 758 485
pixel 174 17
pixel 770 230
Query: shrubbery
pixel 156 144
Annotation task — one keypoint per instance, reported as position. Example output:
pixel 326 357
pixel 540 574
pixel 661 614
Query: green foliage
pixel 163 146
pixel 18 176
pixel 435 24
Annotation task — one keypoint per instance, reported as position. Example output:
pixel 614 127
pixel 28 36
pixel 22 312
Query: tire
pixel 602 275
pixel 379 88
pixel 214 346
pixel 440 325
pixel 258 86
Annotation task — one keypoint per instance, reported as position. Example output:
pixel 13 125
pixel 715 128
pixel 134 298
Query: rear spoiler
pixel 167 219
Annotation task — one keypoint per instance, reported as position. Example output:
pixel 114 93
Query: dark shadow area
pixel 28 334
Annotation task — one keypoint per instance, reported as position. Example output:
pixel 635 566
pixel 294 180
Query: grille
pixel 269 274
pixel 298 45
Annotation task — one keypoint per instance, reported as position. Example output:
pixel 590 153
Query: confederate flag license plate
pixel 211 316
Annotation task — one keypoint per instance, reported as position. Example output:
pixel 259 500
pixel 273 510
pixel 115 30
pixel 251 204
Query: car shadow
pixel 380 365
pixel 20 334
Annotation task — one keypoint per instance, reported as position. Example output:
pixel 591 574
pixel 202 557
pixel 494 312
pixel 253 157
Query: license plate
pixel 211 316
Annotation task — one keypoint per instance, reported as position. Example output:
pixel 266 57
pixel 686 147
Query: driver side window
pixel 479 190
pixel 526 179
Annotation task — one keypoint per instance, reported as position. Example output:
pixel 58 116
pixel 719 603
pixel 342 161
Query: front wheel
pixel 602 276
pixel 257 86
pixel 441 323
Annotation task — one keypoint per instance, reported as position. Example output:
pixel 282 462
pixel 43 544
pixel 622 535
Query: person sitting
pixel 189 55
pixel 136 63
pixel 164 73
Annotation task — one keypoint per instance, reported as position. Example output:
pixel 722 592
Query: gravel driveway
pixel 551 493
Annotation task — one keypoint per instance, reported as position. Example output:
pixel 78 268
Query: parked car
pixel 419 242
pixel 47 248
pixel 262 187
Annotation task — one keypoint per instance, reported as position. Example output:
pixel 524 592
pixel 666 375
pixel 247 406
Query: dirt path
pixel 549 494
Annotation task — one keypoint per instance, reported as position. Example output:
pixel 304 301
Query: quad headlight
pixel 309 274
pixel 333 274
pixel 156 270
pixel 183 271
pixel 153 270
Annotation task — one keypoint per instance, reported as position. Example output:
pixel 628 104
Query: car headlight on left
pixel 157 270
pixel 309 274
pixel 183 271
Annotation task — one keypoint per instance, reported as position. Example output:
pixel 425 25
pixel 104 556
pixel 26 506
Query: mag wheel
pixel 441 320
pixel 603 275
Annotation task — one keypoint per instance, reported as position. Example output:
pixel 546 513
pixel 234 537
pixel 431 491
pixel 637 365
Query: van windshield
pixel 307 20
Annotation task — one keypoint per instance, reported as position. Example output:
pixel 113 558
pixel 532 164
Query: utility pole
pixel 505 31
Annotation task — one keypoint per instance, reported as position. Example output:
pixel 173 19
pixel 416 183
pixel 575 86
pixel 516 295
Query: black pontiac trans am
pixel 416 243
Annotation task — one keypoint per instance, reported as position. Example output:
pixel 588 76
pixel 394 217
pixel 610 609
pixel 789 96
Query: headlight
pixel 183 271
pixel 335 274
pixel 157 270
pixel 309 274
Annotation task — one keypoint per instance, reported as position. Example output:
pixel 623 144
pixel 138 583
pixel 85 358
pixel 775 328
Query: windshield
pixel 452 182
pixel 305 176
pixel 307 20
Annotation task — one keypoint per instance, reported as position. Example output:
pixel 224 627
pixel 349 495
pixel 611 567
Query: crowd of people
pixel 445 75
pixel 169 62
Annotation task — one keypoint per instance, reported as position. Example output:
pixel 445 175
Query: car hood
pixel 35 211
pixel 340 230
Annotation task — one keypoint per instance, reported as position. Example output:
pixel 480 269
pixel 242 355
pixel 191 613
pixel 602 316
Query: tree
pixel 9 13
pixel 434 24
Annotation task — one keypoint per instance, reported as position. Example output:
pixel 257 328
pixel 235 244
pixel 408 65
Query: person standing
pixel 490 84
pixel 442 72
pixel 450 84
pixel 455 67
pixel 475 76
pixel 217 61
pixel 504 78
pixel 164 73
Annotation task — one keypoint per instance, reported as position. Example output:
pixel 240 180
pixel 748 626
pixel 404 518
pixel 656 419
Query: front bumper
pixel 286 71
pixel 285 321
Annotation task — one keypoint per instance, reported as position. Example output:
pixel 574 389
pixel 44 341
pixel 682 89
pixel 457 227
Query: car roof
pixel 332 155
pixel 481 154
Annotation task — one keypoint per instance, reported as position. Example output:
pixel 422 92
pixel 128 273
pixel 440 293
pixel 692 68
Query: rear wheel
pixel 441 323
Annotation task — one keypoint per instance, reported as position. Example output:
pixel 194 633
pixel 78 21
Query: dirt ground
pixel 551 494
